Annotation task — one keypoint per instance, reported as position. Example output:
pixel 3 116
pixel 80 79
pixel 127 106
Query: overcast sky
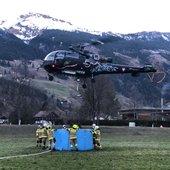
pixel 118 16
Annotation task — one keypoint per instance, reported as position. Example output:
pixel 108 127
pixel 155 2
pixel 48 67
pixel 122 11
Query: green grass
pixel 52 87
pixel 123 149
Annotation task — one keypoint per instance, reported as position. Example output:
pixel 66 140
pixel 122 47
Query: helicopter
pixel 82 63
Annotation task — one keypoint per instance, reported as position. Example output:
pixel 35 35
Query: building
pixel 3 120
pixel 146 113
pixel 48 116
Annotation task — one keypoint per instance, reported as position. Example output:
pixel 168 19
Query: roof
pixel 3 117
pixel 42 114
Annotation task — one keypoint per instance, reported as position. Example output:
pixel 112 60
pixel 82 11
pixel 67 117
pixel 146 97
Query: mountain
pixel 12 48
pixel 148 36
pixel 43 34
pixel 30 25
pixel 131 49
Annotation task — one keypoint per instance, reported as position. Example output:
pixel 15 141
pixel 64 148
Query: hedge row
pixel 122 123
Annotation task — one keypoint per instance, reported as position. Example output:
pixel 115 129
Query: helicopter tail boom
pixel 121 69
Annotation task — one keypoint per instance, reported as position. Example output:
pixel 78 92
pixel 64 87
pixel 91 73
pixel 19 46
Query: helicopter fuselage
pixel 75 64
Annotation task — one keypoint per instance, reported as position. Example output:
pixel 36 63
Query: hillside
pixel 12 48
pixel 124 50
pixel 23 42
pixel 26 91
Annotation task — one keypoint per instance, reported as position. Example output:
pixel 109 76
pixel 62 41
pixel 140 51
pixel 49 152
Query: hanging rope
pixel 157 77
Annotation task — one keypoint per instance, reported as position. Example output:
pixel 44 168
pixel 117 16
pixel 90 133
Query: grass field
pixel 124 148
pixel 52 87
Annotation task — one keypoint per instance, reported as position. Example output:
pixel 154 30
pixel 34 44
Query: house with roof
pixel 52 116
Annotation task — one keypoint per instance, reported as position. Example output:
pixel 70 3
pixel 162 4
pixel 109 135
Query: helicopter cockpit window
pixel 60 55
pixel 72 55
pixel 50 56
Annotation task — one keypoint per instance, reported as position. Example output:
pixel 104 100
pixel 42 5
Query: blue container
pixel 84 140
pixel 62 140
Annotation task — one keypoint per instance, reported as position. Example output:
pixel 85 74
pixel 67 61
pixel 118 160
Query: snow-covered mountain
pixel 129 49
pixel 148 36
pixel 30 25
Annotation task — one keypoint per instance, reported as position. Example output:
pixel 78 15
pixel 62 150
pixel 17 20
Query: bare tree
pixel 99 99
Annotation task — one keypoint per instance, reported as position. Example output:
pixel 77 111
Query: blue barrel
pixel 84 140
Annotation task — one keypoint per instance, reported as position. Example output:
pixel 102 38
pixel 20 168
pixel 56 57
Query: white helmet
pixel 96 127
pixel 45 123
pixel 93 125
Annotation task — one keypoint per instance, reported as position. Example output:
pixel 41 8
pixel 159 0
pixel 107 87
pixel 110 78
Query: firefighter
pixel 97 137
pixel 93 132
pixel 73 137
pixel 39 136
pixel 50 137
pixel 44 136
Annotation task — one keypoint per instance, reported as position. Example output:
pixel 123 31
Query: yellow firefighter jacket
pixel 50 134
pixel 73 133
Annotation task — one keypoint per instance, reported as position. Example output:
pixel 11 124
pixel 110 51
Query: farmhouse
pixel 48 116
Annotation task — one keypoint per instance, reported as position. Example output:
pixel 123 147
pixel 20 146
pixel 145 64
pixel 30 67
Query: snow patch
pixel 165 38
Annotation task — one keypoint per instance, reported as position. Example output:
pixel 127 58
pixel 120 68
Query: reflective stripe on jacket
pixel 96 135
